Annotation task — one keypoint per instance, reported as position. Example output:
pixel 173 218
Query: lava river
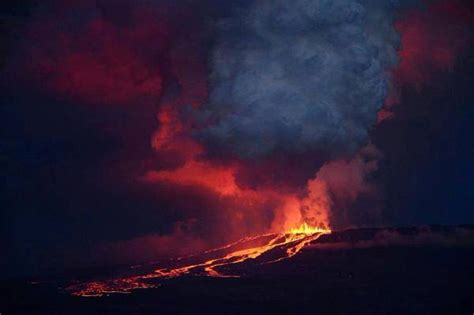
pixel 268 248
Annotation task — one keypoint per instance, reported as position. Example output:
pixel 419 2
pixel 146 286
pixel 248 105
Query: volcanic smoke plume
pixel 300 76
pixel 293 87
pixel 209 138
pixel 263 110
pixel 304 78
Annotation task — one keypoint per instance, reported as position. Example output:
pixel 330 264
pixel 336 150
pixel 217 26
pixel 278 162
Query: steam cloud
pixel 299 76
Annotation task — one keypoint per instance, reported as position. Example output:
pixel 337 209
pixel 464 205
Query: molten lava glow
pixel 276 247
pixel 307 229
pixel 290 210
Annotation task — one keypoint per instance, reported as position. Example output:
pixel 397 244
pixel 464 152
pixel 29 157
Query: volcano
pixel 260 249
pixel 368 271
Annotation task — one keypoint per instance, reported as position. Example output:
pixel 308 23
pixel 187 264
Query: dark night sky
pixel 88 87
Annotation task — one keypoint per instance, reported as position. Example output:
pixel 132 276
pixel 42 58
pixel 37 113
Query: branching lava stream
pixel 287 245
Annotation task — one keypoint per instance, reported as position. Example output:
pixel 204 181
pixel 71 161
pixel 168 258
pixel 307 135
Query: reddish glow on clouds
pixel 217 177
pixel 100 62
pixel 346 179
pixel 173 136
pixel 220 178
pixel 431 41
pixel 391 100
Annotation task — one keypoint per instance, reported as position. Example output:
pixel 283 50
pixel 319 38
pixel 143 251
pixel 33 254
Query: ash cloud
pixel 300 76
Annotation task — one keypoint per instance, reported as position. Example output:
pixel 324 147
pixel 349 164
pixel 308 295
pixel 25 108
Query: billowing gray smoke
pixel 297 76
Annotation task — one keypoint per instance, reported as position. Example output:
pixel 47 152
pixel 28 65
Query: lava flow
pixel 269 248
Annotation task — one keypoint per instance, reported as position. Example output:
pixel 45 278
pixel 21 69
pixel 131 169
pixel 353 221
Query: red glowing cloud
pixel 432 39
pixel 149 59
pixel 101 62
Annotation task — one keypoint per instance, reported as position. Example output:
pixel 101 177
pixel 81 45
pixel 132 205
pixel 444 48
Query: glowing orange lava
pixel 284 245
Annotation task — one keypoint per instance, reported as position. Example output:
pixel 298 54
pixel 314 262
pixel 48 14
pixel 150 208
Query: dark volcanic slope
pixel 364 271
